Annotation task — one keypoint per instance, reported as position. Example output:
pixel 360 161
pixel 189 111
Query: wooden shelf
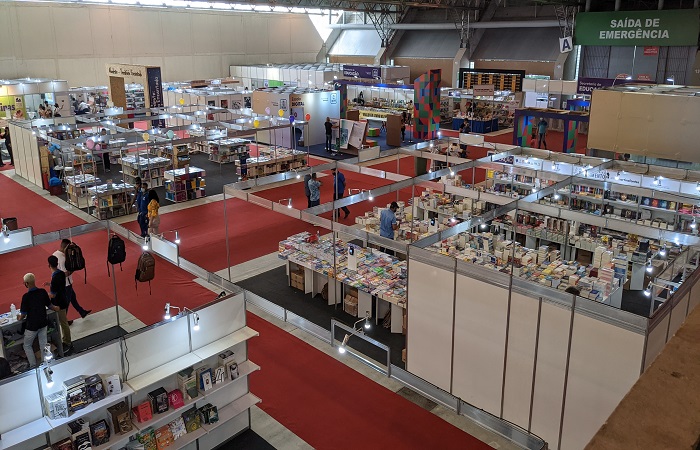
pixel 168 369
pixel 225 343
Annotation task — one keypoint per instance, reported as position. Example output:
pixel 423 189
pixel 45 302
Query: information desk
pixel 378 275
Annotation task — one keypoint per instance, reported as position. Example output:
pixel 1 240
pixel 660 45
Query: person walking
pixel 542 126
pixel 307 192
pixel 404 119
pixel 152 209
pixel 142 209
pixel 8 145
pixel 33 309
pixel 329 134
pixel 57 294
pixel 60 254
pixel 314 191
pixel 339 190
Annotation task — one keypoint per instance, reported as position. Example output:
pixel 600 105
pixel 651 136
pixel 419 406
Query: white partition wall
pixel 24 390
pixel 550 372
pixel 159 345
pixel 430 313
pixel 520 365
pixel 219 320
pixel 479 343
pixel 605 362
pixel 678 314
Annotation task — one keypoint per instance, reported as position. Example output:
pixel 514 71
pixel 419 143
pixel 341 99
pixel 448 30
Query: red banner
pixel 651 51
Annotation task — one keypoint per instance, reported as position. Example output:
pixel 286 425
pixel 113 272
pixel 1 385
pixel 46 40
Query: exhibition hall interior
pixel 297 224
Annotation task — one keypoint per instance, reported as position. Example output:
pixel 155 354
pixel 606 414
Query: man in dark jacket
pixel 339 190
pixel 307 192
pixel 142 208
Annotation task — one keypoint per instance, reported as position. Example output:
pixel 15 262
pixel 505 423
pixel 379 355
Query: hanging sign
pixel 361 71
pixel 483 90
pixel 643 28
pixel 651 50
pixel 566 44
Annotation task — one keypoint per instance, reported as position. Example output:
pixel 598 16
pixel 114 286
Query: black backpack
pixel 145 270
pixel 116 251
pixel 74 259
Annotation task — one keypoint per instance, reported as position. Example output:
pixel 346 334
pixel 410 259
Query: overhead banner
pixel 644 28
pixel 588 85
pixel 361 71
pixel 154 85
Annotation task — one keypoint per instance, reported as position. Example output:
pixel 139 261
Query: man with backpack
pixel 57 294
pixel 70 292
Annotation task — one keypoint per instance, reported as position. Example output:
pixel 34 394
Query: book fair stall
pixel 502 266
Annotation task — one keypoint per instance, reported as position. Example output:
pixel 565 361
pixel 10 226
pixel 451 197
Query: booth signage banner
pixel 155 92
pixel 588 85
pixel 484 90
pixel 690 188
pixel 558 167
pixel 530 163
pixel 126 70
pixel 361 71
pixel 628 179
pixel 643 28
pixel 664 184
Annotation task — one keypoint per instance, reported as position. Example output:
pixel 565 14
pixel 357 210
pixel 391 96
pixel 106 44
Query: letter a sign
pixel 566 44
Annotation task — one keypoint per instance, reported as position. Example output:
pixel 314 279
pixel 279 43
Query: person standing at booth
pixel 314 191
pixel 329 134
pixel 33 308
pixel 542 126
pixel 339 190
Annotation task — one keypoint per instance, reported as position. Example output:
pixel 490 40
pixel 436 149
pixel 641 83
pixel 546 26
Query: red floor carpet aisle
pixel 170 285
pixel 330 406
pixel 33 210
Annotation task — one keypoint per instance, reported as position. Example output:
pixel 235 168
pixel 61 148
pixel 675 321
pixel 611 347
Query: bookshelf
pixel 270 161
pixel 111 200
pixel 149 167
pixel 83 162
pixel 179 154
pixel 227 150
pixel 184 184
pixel 77 189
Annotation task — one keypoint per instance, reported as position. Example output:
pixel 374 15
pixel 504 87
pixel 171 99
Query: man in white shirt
pixel 70 293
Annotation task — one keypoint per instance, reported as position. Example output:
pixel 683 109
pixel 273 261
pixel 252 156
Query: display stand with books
pixel 184 184
pixel 225 151
pixel 148 167
pixel 111 199
pixel 77 189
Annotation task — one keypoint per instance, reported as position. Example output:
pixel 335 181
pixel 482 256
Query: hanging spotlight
pixel 647 291
pixel 196 322
pixel 177 237
pixel 167 312
pixel 48 354
pixel 368 324
pixel 341 349
pixel 649 267
pixel 49 379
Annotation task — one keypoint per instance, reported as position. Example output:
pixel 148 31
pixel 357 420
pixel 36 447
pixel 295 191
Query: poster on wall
pixel 344 132
pixel 357 134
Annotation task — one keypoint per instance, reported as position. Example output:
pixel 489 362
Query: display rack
pixel 111 200
pixel 272 160
pixel 184 184
pixel 148 167
pixel 135 97
pixel 179 154
pixel 83 162
pixel 12 336
pixel 76 187
pixel 225 151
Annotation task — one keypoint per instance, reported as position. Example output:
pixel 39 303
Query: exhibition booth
pixel 186 379
pixel 478 271
pixel 21 99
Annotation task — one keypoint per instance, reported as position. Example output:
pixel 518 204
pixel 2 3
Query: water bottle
pixel 13 312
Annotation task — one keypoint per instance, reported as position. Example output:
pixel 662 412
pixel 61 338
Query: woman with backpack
pixel 153 217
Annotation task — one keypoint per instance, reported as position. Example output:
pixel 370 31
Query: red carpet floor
pixel 33 210
pixel 171 283
pixel 330 406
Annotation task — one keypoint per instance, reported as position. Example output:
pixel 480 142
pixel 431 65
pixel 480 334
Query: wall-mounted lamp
pixel 288 201
pixel 177 237
pixel 671 79
pixel 617 176
pixel 557 196
pixel 367 325
pixel 647 291
pixel 146 242
pixel 5 234
pixel 662 251
pixel 169 316
pixel 649 266
pixel 49 378
pixel 341 349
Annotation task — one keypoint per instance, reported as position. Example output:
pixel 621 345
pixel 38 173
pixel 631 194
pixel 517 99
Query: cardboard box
pixel 403 355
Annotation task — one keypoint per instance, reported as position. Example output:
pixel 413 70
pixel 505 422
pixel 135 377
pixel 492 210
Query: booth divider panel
pixel 549 378
pixel 656 341
pixel 678 315
pixel 604 364
pixel 603 125
pixel 162 344
pixel 481 314
pixel 694 298
pixel 102 361
pixel 25 391
pixel 520 358
pixel 430 318
pixel 635 109
pixel 219 320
